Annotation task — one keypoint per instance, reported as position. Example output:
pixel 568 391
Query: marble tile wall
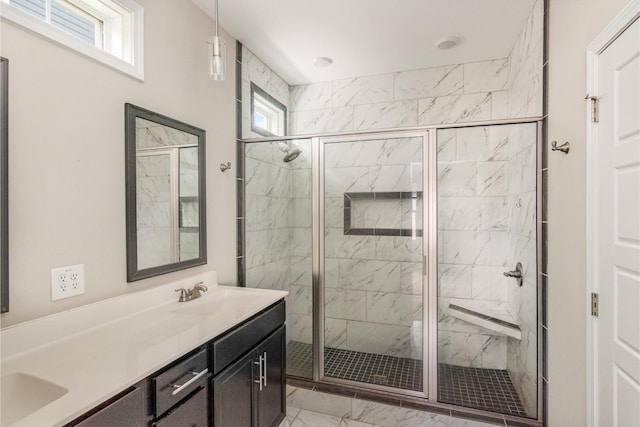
pixel 526 65
pixel 448 94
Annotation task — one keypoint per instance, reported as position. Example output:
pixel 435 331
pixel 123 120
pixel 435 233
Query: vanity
pixel 146 359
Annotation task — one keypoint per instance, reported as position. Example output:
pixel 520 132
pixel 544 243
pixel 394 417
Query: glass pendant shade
pixel 217 57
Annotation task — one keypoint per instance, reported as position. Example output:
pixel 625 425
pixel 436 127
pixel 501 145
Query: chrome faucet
pixel 196 292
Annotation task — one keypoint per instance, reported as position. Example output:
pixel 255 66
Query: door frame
pixel 609 34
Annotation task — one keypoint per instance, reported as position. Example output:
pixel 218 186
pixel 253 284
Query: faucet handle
pixel 201 286
pixel 183 294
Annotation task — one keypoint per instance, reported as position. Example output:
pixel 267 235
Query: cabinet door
pixel 233 394
pixel 271 399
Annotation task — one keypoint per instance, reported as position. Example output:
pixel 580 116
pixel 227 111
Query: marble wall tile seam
pixel 493 78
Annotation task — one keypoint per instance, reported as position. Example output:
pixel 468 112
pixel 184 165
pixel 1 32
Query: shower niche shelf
pixel 494 319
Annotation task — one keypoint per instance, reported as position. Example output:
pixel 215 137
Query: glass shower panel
pixel 373 254
pixel 487 322
pixel 278 237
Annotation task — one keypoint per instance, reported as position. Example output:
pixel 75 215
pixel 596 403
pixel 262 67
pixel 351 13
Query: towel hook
pixel 224 167
pixel 564 147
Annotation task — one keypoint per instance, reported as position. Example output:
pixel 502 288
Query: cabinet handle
pixel 198 375
pixel 264 376
pixel 259 380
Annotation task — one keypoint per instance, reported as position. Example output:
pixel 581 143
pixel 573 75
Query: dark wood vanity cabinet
pixel 251 392
pixel 271 399
pixel 236 380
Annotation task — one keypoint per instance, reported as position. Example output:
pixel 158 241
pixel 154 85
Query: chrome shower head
pixel 291 155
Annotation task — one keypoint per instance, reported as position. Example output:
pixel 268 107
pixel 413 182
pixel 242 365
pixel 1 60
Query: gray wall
pixel 573 24
pixel 67 168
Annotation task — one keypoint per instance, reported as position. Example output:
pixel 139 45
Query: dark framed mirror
pixel 4 185
pixel 165 186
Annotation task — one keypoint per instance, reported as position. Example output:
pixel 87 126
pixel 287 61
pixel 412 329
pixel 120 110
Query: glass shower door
pixel 372 252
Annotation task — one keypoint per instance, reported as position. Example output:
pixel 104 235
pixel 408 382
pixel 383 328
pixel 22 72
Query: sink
pixel 23 394
pixel 215 302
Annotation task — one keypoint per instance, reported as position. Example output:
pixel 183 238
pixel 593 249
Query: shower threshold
pixel 477 388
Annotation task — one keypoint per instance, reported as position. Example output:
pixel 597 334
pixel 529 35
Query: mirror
pixel 4 185
pixel 165 180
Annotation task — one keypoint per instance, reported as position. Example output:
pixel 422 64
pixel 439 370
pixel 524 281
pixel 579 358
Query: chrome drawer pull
pixel 179 388
pixel 259 380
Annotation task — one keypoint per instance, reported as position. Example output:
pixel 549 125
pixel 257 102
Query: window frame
pixel 273 109
pixel 123 22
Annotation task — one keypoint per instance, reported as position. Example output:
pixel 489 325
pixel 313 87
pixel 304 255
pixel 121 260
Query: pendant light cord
pixel 215 5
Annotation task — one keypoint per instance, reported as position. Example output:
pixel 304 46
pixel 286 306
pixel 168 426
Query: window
pixel 107 30
pixel 268 116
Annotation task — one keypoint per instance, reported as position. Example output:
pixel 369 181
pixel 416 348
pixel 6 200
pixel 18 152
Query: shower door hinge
pixel 594 108
pixel 594 305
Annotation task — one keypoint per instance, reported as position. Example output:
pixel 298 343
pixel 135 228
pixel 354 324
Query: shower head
pixel 291 155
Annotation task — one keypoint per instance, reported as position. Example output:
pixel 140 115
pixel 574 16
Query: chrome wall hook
pixel 224 167
pixel 516 274
pixel 564 147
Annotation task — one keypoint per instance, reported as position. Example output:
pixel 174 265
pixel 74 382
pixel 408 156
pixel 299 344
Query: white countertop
pixel 98 350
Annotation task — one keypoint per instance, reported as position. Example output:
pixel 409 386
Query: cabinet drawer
pixel 126 411
pixel 174 384
pixel 237 342
pixel 193 413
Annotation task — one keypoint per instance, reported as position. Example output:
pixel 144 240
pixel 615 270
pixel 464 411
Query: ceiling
pixel 367 37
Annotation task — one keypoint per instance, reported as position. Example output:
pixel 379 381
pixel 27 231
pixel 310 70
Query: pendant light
pixel 217 51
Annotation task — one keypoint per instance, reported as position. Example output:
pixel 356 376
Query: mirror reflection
pixel 166 191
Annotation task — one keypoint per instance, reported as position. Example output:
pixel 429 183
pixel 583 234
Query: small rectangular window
pixel 268 116
pixel 109 31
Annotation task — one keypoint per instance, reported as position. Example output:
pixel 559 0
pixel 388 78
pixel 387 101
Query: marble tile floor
pixel 308 408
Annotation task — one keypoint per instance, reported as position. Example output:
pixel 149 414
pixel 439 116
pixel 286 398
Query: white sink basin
pixel 24 394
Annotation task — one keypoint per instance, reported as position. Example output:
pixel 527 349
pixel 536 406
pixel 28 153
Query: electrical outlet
pixel 67 281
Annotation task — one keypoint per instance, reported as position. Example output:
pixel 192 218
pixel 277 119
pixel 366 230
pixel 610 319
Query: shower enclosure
pixel 393 246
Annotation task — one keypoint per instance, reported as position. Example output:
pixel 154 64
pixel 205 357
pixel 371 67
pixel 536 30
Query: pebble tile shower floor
pixel 485 389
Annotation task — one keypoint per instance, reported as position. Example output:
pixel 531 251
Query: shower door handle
pixel 424 265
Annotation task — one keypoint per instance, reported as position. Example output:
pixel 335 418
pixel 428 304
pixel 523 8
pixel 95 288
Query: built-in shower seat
pixel 494 318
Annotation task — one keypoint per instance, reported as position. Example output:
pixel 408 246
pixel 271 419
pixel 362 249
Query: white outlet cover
pixel 67 281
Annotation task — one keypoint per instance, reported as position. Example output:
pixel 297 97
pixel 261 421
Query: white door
pixel 617 233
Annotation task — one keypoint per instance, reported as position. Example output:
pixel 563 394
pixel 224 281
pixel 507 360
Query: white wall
pixel 573 24
pixel 67 189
